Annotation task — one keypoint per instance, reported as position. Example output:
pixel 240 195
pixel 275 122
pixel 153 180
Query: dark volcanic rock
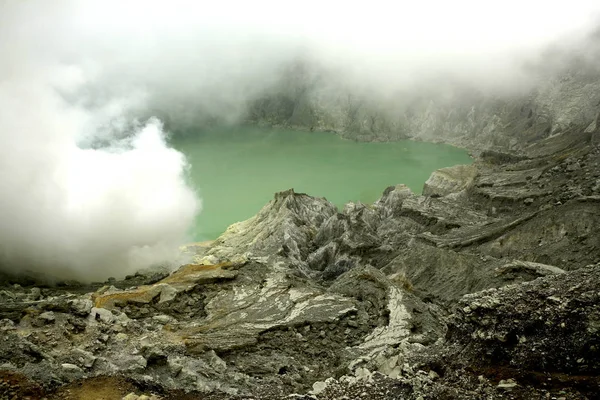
pixel 549 325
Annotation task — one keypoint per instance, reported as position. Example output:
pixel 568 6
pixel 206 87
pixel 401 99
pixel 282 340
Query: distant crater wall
pixel 319 101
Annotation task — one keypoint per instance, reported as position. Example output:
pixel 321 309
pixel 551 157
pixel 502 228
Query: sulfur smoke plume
pixel 70 209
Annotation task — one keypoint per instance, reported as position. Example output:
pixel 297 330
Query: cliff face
pixel 314 99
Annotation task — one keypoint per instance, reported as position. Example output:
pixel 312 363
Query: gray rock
pixel 318 387
pixel 276 229
pixel 131 363
pixel 162 319
pixel 47 317
pixel 71 368
pixel 101 314
pixel 81 307
pixel 84 358
pixel 507 385
pixel 450 180
pixel 216 362
pixel 174 365
pixel 498 320
pixel 35 294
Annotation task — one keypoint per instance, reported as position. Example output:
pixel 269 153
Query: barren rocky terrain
pixel 486 285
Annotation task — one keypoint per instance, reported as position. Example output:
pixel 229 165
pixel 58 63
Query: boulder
pixel 449 180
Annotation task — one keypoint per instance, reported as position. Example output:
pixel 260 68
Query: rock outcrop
pixel 450 180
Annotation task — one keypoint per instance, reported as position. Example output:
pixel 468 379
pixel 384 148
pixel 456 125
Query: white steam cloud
pixel 70 210
pixel 89 187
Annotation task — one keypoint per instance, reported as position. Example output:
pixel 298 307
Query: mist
pixel 90 92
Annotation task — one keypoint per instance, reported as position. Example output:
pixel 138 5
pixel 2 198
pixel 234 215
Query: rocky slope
pixel 480 288
pixel 557 99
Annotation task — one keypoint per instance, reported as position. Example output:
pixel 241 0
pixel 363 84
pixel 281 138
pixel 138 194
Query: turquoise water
pixel 236 171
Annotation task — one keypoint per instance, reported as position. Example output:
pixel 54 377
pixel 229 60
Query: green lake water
pixel 237 171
